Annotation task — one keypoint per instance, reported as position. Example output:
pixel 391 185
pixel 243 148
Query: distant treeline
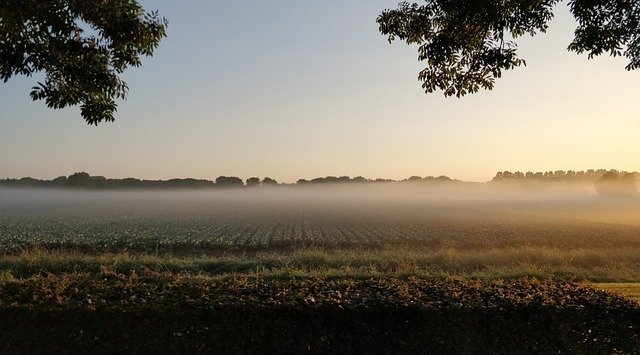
pixel 360 179
pixel 602 179
pixel 84 180
pixel 606 182
pixel 588 176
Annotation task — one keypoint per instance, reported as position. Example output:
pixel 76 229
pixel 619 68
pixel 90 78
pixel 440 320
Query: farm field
pixel 232 264
pixel 217 234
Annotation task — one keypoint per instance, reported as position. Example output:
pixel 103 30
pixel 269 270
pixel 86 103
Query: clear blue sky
pixel 299 89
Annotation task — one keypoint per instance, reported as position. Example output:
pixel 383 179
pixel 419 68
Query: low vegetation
pixel 145 312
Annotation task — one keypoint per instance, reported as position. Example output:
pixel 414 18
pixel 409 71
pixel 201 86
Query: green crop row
pixel 213 228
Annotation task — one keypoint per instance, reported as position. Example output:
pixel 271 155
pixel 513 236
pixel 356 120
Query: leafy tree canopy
pixel 613 184
pixel 268 181
pixel 253 182
pixel 82 46
pixel 466 44
pixel 229 181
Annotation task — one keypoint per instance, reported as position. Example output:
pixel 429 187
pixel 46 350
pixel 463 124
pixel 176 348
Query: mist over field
pixel 573 201
pixel 428 250
pixel 468 229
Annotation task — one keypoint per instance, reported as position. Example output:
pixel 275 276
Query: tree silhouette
pixel 80 179
pixel 253 182
pixel 614 184
pixel 266 182
pixel 82 46
pixel 466 43
pixel 229 181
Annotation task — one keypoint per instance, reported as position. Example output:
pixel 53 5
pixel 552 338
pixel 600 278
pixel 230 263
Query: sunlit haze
pixel 300 89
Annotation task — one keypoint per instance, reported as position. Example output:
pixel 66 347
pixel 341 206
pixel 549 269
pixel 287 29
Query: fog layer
pixel 573 201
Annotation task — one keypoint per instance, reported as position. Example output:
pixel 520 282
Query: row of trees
pixel 614 184
pixel 84 180
pixel 361 179
pixel 611 183
pixel 606 182
pixel 590 175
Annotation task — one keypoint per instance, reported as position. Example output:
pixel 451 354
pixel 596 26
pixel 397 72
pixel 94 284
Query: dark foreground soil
pixel 110 313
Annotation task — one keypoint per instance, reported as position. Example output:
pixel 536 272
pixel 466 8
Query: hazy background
pixel 298 89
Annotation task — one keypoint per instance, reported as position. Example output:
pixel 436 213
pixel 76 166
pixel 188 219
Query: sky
pixel 296 89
